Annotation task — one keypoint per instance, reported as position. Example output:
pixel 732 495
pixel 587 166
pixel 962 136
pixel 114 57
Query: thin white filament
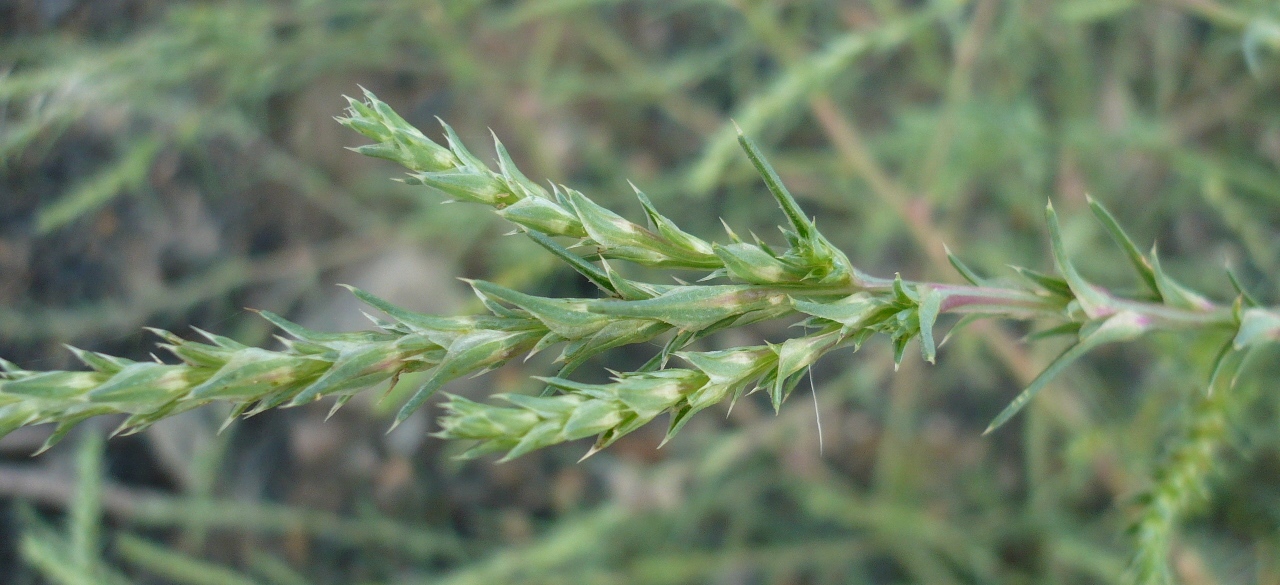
pixel 817 413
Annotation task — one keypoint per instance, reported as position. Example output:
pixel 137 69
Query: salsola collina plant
pixel 738 282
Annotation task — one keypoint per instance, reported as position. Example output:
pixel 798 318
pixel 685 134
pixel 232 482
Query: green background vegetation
pixel 166 164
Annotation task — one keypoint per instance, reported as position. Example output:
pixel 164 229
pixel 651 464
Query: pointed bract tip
pixel 633 186
pixel 1089 198
pixel 736 126
pixel 592 451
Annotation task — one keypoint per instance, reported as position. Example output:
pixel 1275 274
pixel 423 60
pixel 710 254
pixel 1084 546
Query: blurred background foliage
pixel 168 163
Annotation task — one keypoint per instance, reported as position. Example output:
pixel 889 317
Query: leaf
pixel 1093 302
pixel 625 240
pixel 513 174
pixel 803 227
pixel 964 271
pixel 366 364
pixel 694 308
pixel 797 354
pixel 631 290
pixel 147 383
pixel 730 366
pixel 1226 366
pixel 570 318
pixel 930 306
pixel 1123 326
pixel 460 150
pixel 475 187
pixel 473 351
pixel 752 264
pixel 100 362
pixel 53 385
pixel 1257 325
pixel 1069 328
pixel 1175 294
pixel 668 230
pixel 1140 263
pixel 542 216
pixel 429 325
pixel 253 371
pixel 1051 284
pixel 1248 298
pixel 851 311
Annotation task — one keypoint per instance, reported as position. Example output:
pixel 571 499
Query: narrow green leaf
pixel 1051 284
pixel 752 264
pixel 545 216
pixel 694 308
pixel 668 230
pixel 964 270
pixel 569 318
pixel 790 207
pixel 1175 294
pixel 1248 298
pixel 474 187
pixel 1070 328
pixel 930 306
pixel 1123 326
pixel 513 174
pixel 253 371
pixel 473 352
pixel 588 270
pixel 1140 263
pixel 1093 302
pixel 1226 365
pixel 86 509
pixel 148 383
pixel 460 150
pixel 795 356
pixel 851 311
pixel 366 364
pixel 1257 325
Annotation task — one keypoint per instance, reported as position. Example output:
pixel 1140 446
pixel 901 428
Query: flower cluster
pixel 809 281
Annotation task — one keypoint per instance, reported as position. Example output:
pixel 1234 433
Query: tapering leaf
pixel 1140 263
pixel 475 187
pixel 694 308
pixel 147 382
pixel 513 174
pixel 472 352
pixel 543 216
pixel 754 265
pixel 794 214
pixel 569 318
pixel 1093 302
pixel 668 230
pixel 1257 325
pixel 1123 326
pixel 1175 294
pixel 597 276
pixel 1248 298
pixel 1051 284
pixel 356 366
pixel 930 306
pixel 964 270
pixel 460 150
pixel 795 356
